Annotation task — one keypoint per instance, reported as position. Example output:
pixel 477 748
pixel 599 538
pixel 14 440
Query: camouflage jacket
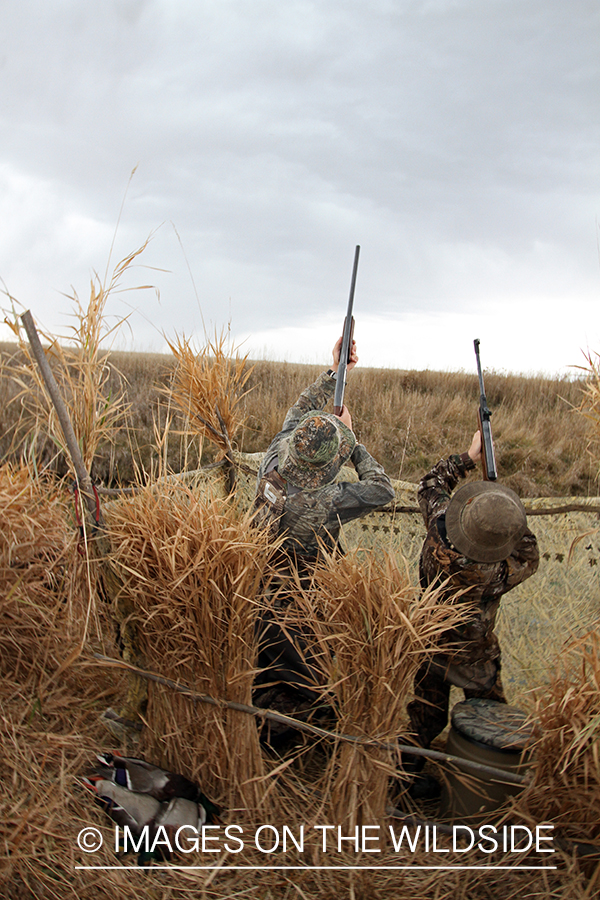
pixel 313 515
pixel 473 657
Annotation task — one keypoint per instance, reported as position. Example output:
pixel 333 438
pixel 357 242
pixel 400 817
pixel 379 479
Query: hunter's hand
pixel 345 417
pixel 336 356
pixel 474 450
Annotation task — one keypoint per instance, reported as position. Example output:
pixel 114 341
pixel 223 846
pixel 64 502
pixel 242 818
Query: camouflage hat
pixel 315 451
pixel 485 521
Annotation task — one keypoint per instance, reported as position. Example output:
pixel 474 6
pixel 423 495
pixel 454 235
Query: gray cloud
pixel 456 141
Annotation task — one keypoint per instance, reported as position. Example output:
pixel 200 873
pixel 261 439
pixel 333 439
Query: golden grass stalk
pixel 371 630
pixel 81 368
pixel 35 548
pixel 566 787
pixel 192 570
pixel 44 734
pixel 48 598
pixel 590 402
pixel 208 386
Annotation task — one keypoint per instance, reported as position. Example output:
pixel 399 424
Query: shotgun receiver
pixel 346 349
pixel 488 458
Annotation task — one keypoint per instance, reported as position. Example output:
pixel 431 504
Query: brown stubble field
pixel 407 419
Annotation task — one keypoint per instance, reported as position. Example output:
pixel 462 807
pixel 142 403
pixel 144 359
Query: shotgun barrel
pixel 488 457
pixel 346 349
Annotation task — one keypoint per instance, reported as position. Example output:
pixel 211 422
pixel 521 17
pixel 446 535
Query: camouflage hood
pixel 315 451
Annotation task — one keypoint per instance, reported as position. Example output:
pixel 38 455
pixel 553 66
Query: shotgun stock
pixel 488 457
pixel 346 349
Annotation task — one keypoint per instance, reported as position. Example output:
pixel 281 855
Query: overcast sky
pixel 457 141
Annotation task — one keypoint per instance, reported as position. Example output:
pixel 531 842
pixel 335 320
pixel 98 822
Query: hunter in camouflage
pixel 298 497
pixel 477 543
pixel 315 504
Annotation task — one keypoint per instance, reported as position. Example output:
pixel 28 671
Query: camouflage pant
pixel 283 699
pixel 429 710
pixel 285 654
pixel 291 681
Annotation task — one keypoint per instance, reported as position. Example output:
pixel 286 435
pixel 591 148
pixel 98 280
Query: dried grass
pixel 371 628
pixel 408 420
pixel 192 570
pixel 35 544
pixel 173 550
pixel 185 577
pixel 80 366
pixel 566 788
pixel 208 386
pixel 590 401
pixel 47 715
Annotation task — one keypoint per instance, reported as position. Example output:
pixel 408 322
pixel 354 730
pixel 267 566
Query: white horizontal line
pixel 313 868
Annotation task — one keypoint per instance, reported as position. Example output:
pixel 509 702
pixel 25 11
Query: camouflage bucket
pixel 315 451
pixel 503 727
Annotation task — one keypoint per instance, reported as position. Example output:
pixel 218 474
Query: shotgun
pixel 346 349
pixel 488 458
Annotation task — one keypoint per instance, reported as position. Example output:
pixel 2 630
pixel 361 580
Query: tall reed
pixel 208 386
pixel 192 569
pixel 80 364
pixel 371 628
pixel 566 786
pixel 35 549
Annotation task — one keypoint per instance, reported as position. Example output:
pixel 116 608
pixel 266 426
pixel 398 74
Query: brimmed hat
pixel 315 451
pixel 485 521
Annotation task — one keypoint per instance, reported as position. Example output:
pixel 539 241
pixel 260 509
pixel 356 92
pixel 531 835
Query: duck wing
pixel 124 807
pixel 179 812
pixel 144 778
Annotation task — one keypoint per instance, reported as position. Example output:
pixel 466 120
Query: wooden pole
pixel 84 482
pixel 497 774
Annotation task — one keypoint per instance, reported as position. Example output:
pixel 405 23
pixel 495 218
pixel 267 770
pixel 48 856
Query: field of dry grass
pixel 176 556
pixel 407 419
pixel 178 593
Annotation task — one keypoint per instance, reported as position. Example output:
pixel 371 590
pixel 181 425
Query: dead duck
pixel 142 777
pixel 138 795
pixel 135 810
pixel 125 807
